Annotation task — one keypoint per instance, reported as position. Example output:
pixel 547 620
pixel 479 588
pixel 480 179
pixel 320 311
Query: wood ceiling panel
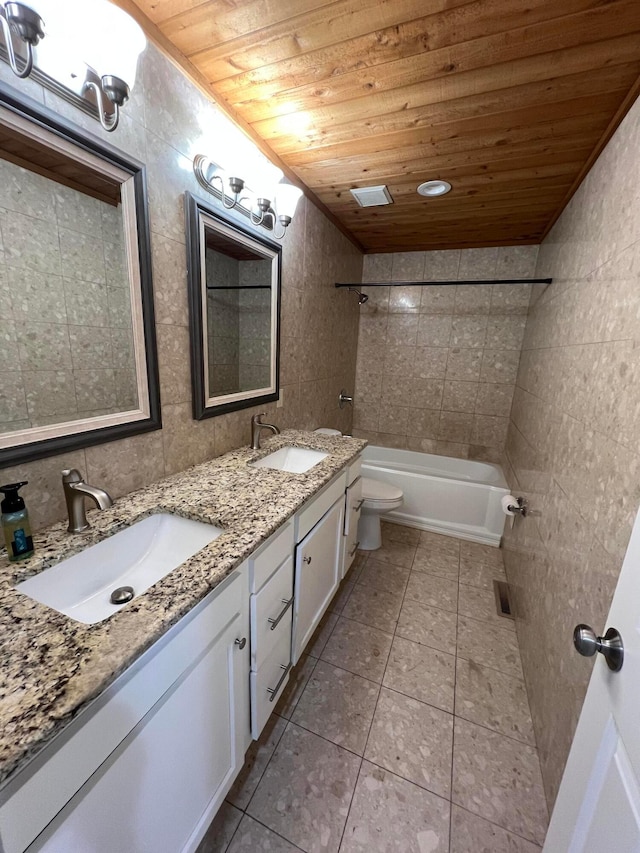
pixel 509 101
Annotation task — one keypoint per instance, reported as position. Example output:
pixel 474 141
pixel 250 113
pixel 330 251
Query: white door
pixel 598 805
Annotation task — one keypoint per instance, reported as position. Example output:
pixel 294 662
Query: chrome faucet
pixel 75 491
pixel 257 426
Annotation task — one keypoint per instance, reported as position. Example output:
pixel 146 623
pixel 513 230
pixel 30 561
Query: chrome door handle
pixel 241 643
pixel 358 505
pixel 354 549
pixel 611 645
pixel 306 560
pixel 274 690
pixel 275 622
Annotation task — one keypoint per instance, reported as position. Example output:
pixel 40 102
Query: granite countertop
pixel 52 666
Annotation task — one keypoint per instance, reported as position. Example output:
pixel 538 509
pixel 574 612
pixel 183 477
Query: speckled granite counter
pixel 53 666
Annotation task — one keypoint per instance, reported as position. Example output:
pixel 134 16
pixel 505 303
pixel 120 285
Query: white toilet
pixel 378 499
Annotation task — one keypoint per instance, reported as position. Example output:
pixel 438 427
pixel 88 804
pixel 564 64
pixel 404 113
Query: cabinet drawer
pixel 271 611
pixel 268 683
pixel 313 511
pixel 354 470
pixel 270 556
pixel 43 789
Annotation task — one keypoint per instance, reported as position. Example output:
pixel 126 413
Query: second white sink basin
pixel 294 460
pixel 137 557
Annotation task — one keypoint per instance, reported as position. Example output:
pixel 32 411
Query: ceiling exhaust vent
pixel 372 196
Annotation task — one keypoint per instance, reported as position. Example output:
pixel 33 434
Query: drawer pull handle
pixel 354 549
pixel 275 622
pixel 241 643
pixel 306 560
pixel 359 504
pixel 274 690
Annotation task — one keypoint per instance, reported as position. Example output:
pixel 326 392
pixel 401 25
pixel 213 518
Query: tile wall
pixel 573 445
pixel 65 324
pixel 165 124
pixel 437 364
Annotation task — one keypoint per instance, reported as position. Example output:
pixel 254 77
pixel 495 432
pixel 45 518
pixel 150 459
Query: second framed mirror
pixel 234 305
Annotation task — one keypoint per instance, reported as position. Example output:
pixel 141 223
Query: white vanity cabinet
pixel 146 767
pixel 319 528
pixel 352 510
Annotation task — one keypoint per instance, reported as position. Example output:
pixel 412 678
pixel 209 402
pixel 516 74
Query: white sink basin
pixel 138 557
pixel 294 460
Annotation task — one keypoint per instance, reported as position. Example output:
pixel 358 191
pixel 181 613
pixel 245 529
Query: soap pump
pixel 15 522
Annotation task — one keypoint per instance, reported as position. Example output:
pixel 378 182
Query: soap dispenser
pixel 15 522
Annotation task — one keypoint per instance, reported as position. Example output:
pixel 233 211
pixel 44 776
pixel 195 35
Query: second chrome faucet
pixel 256 427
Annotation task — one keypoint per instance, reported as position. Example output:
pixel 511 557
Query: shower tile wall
pixel 166 122
pixel 65 323
pixel 437 364
pixel 574 438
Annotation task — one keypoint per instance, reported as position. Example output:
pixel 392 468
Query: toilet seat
pixel 380 496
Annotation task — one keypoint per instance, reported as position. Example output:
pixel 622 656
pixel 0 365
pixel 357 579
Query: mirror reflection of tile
pixel 238 323
pixel 66 340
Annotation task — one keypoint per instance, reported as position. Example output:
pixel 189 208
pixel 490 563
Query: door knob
pixel 611 646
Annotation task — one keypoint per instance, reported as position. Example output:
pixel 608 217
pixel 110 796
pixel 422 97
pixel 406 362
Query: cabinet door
pixel 353 508
pixel 163 784
pixel 317 574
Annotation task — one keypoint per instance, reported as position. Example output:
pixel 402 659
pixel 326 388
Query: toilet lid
pixel 375 490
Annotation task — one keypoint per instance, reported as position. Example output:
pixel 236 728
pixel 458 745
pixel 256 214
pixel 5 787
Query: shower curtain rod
pixel 422 283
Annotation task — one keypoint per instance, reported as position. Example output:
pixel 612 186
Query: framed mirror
pixel 234 304
pixel 78 361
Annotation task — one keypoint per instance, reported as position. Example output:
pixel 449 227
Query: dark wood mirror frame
pixel 196 211
pixel 45 124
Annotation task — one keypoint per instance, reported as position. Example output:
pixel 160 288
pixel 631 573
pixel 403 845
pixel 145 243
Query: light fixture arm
pixel 200 168
pixel 108 124
pixel 28 25
pixel 284 221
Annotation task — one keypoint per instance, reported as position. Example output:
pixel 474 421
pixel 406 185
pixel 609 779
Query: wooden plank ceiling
pixel 508 100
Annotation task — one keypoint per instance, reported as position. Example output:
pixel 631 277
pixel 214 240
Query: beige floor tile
pixel 298 678
pixel 423 673
pixel 338 705
pixel 306 790
pixel 481 604
pixel 255 762
pixel 436 563
pixel 359 562
pixel 358 648
pixel 412 740
pixel 488 645
pixel 499 779
pixel 253 837
pixel 373 607
pixel 384 576
pixel 389 814
pixel 399 533
pixel 397 553
pixel 493 699
pixel 427 625
pixel 220 832
pixel 482 553
pixel 433 591
pixel 437 543
pixel 479 574
pixel 321 635
pixel 342 596
pixel 473 834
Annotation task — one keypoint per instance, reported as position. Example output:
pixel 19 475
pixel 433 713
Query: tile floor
pixel 406 725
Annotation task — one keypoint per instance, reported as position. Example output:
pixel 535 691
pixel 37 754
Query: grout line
pixel 284 838
pixel 498 825
pixel 455 684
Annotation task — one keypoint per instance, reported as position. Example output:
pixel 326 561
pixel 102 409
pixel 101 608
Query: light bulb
pixel 287 198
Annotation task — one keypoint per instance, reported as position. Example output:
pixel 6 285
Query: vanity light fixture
pixel 272 202
pixel 89 51
pixel 432 189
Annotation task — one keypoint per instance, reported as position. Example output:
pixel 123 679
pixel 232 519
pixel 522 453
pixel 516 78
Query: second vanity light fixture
pixel 85 50
pixel 268 201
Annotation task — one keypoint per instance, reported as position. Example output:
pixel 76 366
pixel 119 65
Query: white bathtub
pixel 445 495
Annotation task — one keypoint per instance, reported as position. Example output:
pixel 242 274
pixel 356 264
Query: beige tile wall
pixel 66 344
pixel 437 364
pixel 573 445
pixel 166 122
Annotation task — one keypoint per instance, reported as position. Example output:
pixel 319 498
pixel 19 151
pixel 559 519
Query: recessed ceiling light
pixel 434 188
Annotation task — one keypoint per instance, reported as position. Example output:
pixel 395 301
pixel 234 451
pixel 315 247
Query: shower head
pixel 362 297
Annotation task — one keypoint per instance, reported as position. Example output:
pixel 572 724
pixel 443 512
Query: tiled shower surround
pixel 165 124
pixel 65 322
pixel 437 364
pixel 574 438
